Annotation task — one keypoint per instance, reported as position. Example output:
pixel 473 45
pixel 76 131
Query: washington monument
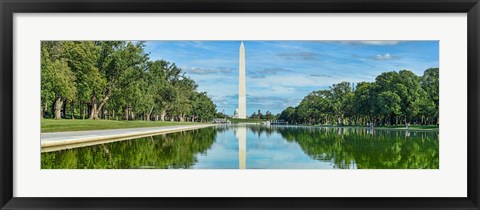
pixel 242 99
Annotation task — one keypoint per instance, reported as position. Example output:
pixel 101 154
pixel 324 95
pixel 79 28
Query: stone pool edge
pixel 50 146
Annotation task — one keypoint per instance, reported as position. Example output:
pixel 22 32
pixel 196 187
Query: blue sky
pixel 280 73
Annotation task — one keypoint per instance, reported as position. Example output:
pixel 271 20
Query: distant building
pixel 235 114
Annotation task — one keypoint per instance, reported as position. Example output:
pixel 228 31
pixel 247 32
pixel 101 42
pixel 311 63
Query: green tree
pixel 389 105
pixel 203 108
pixel 409 89
pixel 288 114
pixel 364 100
pixel 185 88
pixel 82 57
pixel 63 84
pixel 341 95
pixel 129 91
pixel 47 92
pixel 118 60
pixel 430 83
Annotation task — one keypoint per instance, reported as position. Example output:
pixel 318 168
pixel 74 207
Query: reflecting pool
pixel 260 147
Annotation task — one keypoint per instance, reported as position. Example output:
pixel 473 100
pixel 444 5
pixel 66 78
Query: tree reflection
pixel 175 150
pixel 345 148
pixel 367 149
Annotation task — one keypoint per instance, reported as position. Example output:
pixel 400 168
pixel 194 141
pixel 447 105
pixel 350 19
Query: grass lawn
pixel 246 120
pixel 51 125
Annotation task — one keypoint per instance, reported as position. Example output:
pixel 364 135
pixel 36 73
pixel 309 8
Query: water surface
pixel 260 147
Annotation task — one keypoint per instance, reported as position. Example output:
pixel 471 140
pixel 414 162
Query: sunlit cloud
pixel 299 55
pixel 386 56
pixel 197 70
pixel 320 75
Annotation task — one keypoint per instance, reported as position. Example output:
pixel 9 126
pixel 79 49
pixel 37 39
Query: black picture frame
pixel 10 7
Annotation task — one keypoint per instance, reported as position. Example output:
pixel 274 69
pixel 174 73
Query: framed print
pixel 239 105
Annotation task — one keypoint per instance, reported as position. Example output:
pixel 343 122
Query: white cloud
pixel 385 56
pixel 287 81
pixel 282 90
pixel 196 70
pixel 299 55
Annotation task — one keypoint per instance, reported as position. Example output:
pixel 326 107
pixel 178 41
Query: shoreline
pixel 67 140
pixel 364 127
pixel 385 128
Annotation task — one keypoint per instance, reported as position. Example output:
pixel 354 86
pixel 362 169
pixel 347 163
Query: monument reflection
pixel 241 134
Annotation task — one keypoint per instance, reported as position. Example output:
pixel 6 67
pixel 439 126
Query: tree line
pixel 394 98
pixel 259 115
pixel 116 80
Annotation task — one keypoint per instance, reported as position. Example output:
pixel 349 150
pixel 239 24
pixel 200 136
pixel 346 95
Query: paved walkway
pixel 78 137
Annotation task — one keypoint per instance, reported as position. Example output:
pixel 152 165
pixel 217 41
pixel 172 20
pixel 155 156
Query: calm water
pixel 252 147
